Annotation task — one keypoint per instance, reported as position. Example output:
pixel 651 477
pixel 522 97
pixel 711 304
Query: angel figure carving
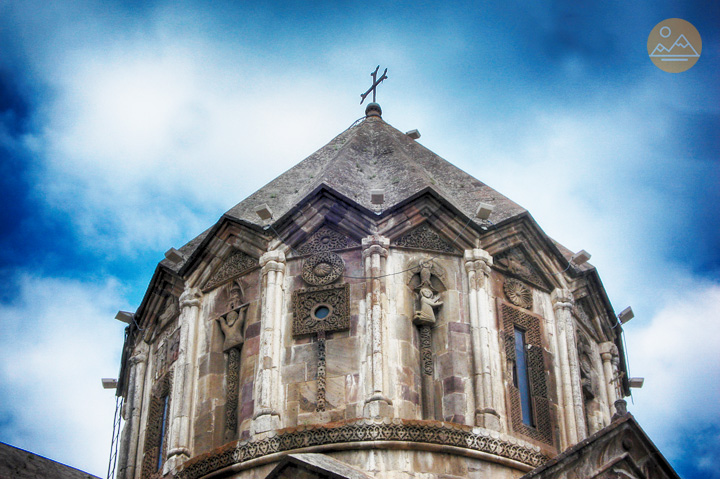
pixel 233 327
pixel 429 302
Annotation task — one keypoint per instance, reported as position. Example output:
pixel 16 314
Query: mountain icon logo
pixel 674 45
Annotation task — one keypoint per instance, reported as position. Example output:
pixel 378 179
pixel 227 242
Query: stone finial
pixel 373 109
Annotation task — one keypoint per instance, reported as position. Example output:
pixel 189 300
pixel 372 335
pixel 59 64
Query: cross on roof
pixel 376 82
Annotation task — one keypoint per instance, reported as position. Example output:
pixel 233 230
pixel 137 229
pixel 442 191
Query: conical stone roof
pixel 370 155
pixel 374 155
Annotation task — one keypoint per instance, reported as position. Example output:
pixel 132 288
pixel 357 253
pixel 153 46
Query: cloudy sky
pixel 127 128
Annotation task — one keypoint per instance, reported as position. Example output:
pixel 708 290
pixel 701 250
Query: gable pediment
pixel 425 237
pixel 516 261
pixel 235 264
pixel 326 238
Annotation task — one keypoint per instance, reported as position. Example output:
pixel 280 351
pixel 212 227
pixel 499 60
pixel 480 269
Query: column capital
pixel 190 297
pixel 562 299
pixel 478 260
pixel 375 244
pixel 272 261
pixel 372 240
pixel 138 358
pixel 608 350
pixel 274 256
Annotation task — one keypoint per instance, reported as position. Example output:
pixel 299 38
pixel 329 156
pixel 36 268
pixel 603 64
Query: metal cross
pixel 376 82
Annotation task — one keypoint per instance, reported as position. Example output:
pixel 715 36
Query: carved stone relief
pixel 322 308
pixel 155 444
pixel 170 312
pixel 426 280
pixel 515 261
pixel 232 325
pixel 167 352
pixel 425 237
pixel 322 268
pixel 319 310
pixel 326 239
pixel 234 265
pixel 589 384
pixel 518 293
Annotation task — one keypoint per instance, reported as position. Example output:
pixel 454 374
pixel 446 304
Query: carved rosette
pixel 518 293
pixel 323 308
pixel 322 268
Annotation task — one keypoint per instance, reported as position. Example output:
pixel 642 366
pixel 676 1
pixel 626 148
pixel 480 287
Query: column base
pixel 487 418
pixel 176 458
pixel 266 421
pixel 378 405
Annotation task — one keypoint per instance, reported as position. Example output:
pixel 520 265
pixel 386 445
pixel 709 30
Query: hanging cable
pixel 114 443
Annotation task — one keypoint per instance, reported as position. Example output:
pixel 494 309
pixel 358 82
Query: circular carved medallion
pixel 322 268
pixel 518 293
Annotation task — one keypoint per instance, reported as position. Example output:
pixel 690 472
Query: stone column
pixel 374 257
pixel 609 355
pixel 563 302
pixel 477 265
pixel 267 380
pixel 127 458
pixel 184 379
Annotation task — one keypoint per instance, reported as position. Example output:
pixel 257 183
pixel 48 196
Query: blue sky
pixel 129 127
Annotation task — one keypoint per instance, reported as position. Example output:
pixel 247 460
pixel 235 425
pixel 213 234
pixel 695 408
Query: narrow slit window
pixel 522 378
pixel 163 426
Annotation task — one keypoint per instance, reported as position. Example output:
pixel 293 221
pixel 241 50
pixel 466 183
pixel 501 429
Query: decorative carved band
pixel 320 402
pixel 235 265
pixel 426 349
pixel 362 430
pixel 155 442
pixel 424 237
pixel 232 392
pixel 325 308
pixel 326 239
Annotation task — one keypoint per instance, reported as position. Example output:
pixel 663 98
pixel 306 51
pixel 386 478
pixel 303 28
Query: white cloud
pixel 142 138
pixel 57 340
pixel 677 353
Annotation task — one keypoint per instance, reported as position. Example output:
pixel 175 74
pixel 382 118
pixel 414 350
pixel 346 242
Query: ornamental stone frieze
pixel 353 434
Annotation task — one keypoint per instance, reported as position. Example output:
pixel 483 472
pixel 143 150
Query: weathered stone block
pixel 342 356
